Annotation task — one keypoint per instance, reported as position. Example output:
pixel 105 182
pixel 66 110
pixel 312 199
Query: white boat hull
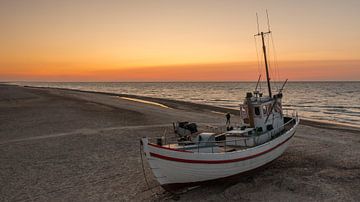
pixel 171 166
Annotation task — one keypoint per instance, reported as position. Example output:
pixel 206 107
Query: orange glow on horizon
pixel 236 71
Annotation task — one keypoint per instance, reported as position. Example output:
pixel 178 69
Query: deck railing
pixel 173 143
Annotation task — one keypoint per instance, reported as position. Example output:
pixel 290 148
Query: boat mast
pixel 266 64
pixel 264 50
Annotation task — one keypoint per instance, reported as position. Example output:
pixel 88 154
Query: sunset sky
pixel 166 40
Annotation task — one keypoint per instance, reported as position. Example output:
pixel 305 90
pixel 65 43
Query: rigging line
pixel 257 55
pixel 274 49
pixel 258 60
pixel 275 58
pixel 273 67
pixel 276 75
pixel 257 21
pixel 269 61
pixel 268 22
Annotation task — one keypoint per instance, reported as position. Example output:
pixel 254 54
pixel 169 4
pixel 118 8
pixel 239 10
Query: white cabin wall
pixel 275 118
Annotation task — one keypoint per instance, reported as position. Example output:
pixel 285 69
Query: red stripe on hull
pixel 218 161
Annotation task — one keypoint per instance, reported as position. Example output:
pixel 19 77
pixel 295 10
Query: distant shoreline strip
pixel 333 125
pixel 216 112
pixel 146 102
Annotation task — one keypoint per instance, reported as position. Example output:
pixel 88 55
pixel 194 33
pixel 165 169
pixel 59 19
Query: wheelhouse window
pixel 257 111
pixel 243 111
pixel 264 108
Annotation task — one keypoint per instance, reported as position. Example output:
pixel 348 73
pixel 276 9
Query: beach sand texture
pixel 77 146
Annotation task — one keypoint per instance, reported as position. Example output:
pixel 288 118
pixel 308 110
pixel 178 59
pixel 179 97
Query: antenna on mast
pixel 257 21
pixel 268 22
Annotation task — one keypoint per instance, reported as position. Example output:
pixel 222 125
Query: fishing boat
pixel 263 134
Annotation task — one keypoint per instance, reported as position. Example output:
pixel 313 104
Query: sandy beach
pixel 67 145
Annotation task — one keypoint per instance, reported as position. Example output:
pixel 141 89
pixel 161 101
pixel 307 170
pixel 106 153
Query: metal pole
pixel 266 64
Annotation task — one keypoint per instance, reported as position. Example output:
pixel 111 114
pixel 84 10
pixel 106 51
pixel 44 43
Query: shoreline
pixel 170 103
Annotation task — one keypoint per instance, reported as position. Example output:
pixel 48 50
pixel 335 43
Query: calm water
pixel 328 101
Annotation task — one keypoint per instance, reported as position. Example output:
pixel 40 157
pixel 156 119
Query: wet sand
pixel 66 145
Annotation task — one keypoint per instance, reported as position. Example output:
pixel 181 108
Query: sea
pixel 336 102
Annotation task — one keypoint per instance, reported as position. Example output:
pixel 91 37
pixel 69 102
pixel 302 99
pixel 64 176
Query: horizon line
pixel 194 81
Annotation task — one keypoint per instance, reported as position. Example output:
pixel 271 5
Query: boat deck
pixel 223 145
